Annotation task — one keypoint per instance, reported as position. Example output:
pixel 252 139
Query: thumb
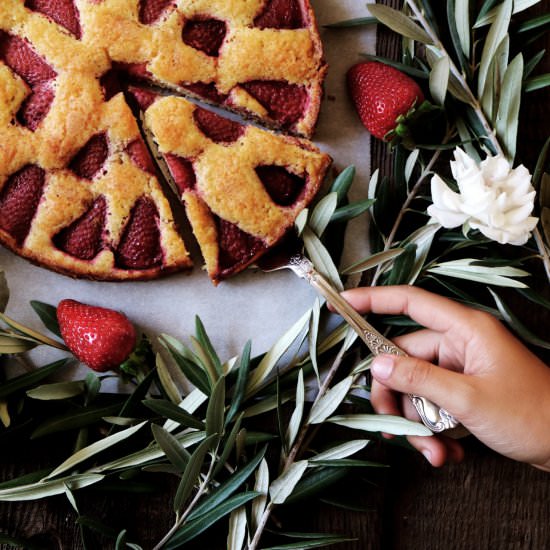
pixel 405 374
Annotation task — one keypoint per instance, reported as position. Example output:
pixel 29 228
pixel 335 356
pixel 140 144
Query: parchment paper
pixel 253 305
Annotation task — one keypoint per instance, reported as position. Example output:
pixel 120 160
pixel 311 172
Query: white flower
pixel 493 197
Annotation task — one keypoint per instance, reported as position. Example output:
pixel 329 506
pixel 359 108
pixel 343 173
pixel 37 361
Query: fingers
pixel 430 310
pixel 411 375
pixel 437 449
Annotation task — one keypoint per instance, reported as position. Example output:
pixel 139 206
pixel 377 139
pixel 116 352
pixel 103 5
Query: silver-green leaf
pixel 329 402
pixel 439 79
pixel 93 449
pixel 296 418
pixel 57 390
pixel 342 451
pixel 282 487
pixel 496 33
pixel 399 22
pixel 322 213
pixel 508 108
pixel 381 423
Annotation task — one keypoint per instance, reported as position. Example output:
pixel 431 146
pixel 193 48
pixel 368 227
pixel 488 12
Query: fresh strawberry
pixel 384 98
pixel 99 337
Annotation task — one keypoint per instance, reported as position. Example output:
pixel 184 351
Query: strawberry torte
pixel 79 191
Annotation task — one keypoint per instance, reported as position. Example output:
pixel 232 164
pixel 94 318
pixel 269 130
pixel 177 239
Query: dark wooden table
pixel 486 502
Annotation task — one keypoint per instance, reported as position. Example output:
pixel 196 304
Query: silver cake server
pixel 434 417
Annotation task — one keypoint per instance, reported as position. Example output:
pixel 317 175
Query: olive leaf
pixel 50 488
pixel 206 345
pixel 48 315
pixel 321 258
pixel 228 445
pixel 439 79
pixel 322 213
pixel 462 24
pixel 497 68
pixel 317 542
pixel 381 423
pixel 261 486
pixel 281 488
pixel 270 359
pixel 507 119
pixel 94 449
pixel 30 333
pixel 185 361
pixel 315 482
pixel 172 448
pixel 373 261
pixel 497 32
pixel 173 412
pixel 14 343
pixel 237 529
pixel 399 22
pixel 537 82
pixel 313 334
pixel 357 22
pixel 166 380
pixel 350 211
pixel 469 269
pixel 215 412
pixel 301 221
pixel 57 390
pixel 490 16
pixel 342 183
pixel 297 413
pixel 240 385
pixel 205 361
pixel 341 451
pixel 147 455
pixel 72 420
pixel 329 402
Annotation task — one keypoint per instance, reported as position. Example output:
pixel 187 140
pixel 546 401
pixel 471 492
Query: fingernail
pixel 382 366
pixel 427 455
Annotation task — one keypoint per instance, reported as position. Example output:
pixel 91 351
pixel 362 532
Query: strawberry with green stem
pixel 99 337
pixel 385 98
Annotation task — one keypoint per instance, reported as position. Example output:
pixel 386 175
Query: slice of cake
pixel 242 186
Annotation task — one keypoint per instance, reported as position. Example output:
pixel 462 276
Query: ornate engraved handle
pixel 434 417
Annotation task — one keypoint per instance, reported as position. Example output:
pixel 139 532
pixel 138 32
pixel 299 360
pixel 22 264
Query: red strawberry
pixel 383 97
pixel 205 35
pixel 99 337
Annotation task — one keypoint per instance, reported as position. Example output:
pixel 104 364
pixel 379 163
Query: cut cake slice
pixel 242 186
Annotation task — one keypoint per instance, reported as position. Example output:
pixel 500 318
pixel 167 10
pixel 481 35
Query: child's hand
pixel 490 382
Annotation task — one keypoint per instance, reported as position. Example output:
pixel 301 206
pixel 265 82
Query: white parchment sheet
pixel 253 305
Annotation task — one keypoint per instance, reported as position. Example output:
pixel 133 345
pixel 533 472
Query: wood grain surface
pixel 487 502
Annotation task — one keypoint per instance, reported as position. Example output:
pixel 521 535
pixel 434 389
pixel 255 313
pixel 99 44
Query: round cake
pixel 79 189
